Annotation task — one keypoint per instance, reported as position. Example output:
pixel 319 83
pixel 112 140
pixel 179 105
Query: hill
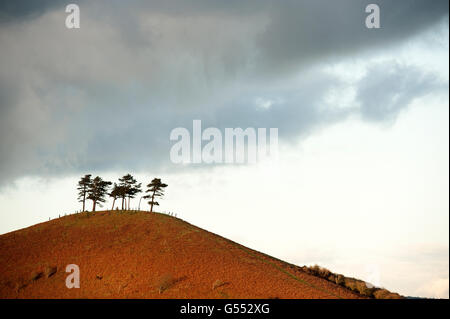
pixel 135 254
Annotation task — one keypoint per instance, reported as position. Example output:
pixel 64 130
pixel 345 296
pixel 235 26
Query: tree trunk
pixel 153 200
pixel 128 202
pixel 114 201
pixel 93 206
pixel 84 199
pixel 123 199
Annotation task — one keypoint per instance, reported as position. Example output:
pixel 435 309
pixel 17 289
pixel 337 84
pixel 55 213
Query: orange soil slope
pixel 143 255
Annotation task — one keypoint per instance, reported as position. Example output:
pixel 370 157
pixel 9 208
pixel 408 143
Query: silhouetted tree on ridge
pixel 131 187
pixel 115 193
pixel 97 191
pixel 83 186
pixel 155 189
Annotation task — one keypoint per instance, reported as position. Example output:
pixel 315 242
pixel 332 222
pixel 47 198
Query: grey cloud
pixel 389 87
pixel 18 10
pixel 302 32
pixel 107 95
pixel 138 137
pixel 301 108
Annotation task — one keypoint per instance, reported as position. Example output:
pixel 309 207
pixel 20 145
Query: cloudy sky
pixel 361 181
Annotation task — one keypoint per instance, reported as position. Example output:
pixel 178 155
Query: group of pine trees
pixel 96 189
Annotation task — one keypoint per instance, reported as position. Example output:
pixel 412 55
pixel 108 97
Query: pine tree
pixel 83 186
pixel 97 191
pixel 118 191
pixel 115 193
pixel 155 189
pixel 130 188
pixel 133 189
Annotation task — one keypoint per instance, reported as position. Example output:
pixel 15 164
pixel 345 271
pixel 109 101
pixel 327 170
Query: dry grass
pixel 355 285
pixel 50 271
pixel 128 250
pixel 165 282
pixel 35 275
pixel 218 283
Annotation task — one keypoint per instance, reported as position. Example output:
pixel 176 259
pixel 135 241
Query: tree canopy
pixel 155 189
pixel 127 188
pixel 97 191
pixel 83 186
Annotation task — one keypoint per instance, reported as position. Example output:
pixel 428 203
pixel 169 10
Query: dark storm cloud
pixel 301 32
pixel 18 10
pixel 106 96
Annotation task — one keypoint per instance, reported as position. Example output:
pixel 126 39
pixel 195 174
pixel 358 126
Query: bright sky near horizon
pixel 361 185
